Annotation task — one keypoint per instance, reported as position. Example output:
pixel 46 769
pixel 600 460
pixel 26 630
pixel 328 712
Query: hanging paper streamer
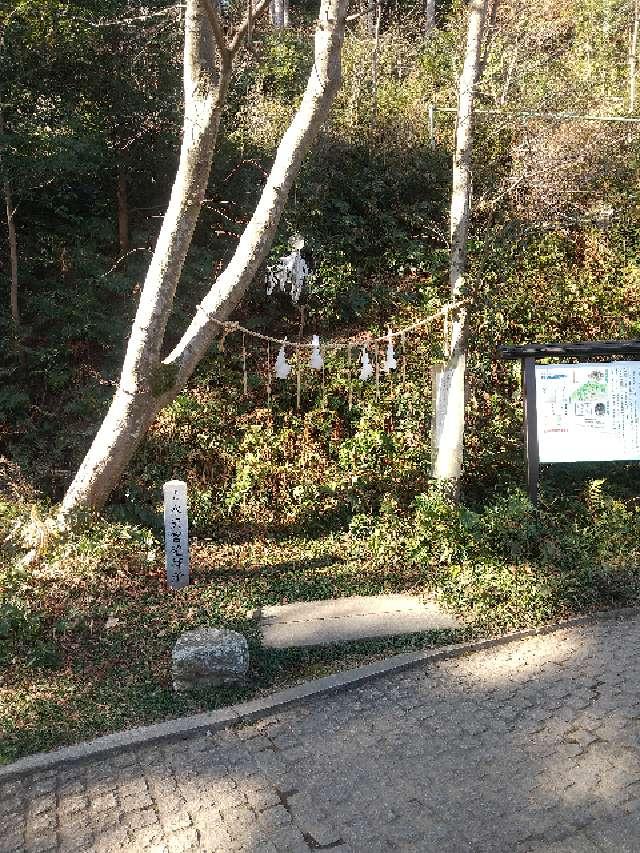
pixel 317 362
pixel 373 358
pixel 390 362
pixel 367 368
pixel 291 270
pixel 282 367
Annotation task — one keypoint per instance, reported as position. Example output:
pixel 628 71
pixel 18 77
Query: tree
pixel 149 382
pixel 13 242
pixel 450 402
pixel 429 17
pixel 132 96
pixel 279 13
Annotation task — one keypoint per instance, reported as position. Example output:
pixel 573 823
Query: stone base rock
pixel 209 657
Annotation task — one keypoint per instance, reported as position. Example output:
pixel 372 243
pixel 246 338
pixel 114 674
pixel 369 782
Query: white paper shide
pixel 176 533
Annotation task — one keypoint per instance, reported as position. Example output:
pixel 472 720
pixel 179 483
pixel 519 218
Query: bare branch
pixel 118 22
pixel 250 24
pixel 250 18
pixel 122 258
pixel 489 31
pixel 366 11
pixel 216 26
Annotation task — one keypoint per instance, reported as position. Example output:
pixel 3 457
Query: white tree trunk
pixel 279 14
pixel 147 383
pixel 447 447
pixel 429 17
pixel 255 242
pixel 134 404
pixel 371 7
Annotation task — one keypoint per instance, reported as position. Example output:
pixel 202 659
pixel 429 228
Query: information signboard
pixel 588 412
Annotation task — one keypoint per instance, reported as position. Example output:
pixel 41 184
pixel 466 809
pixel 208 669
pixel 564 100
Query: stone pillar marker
pixel 176 533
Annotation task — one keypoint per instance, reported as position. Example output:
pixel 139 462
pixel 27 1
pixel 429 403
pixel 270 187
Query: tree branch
pixel 255 242
pixel 366 11
pixel 216 26
pixel 240 33
pixel 489 31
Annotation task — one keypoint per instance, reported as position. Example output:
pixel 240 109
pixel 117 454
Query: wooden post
pixel 531 427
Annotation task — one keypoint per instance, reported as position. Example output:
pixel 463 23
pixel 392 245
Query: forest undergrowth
pixel 335 498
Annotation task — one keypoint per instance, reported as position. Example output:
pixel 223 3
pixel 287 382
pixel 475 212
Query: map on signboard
pixel 588 412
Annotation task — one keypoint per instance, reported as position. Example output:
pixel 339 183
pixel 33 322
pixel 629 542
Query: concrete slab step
pixel 315 623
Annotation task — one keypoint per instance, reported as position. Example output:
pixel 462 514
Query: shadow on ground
pixel 528 747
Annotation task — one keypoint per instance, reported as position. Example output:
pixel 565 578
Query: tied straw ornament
pixel 366 342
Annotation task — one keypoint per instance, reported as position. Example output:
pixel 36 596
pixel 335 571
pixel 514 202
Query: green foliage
pixel 509 564
pixel 334 498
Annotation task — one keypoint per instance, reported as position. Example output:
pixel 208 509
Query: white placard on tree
pixel 588 412
pixel 176 533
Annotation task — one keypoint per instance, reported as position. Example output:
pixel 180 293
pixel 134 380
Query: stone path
pixel 531 746
pixel 314 623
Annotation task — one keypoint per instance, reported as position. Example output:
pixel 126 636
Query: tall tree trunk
pixel 448 441
pixel 255 242
pixel 147 384
pixel 134 403
pixel 278 13
pixel 13 247
pixel 429 17
pixel 633 56
pixel 123 211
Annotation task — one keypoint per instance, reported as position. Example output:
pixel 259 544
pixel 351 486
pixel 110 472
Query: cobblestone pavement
pixel 527 747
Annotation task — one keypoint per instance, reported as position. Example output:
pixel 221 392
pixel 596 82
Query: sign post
pixel 532 454
pixel 176 534
pixel 580 412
